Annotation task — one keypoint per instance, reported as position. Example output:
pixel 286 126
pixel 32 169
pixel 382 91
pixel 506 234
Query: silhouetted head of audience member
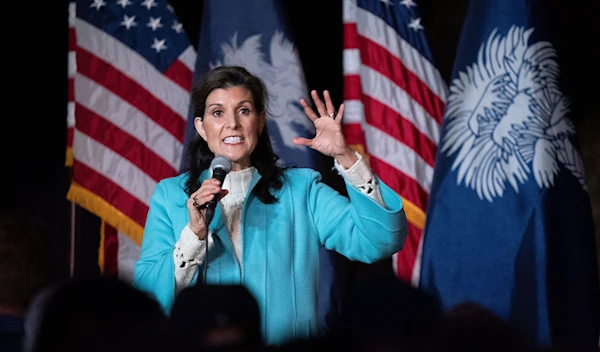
pixel 471 327
pixel 386 314
pixel 97 314
pixel 215 318
pixel 25 261
pixel 316 343
pixel 25 269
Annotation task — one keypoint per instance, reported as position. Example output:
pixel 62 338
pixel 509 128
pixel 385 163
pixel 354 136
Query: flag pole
pixel 72 242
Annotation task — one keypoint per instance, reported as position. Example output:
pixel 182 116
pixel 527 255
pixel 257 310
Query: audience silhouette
pixel 25 269
pixel 215 318
pixel 97 314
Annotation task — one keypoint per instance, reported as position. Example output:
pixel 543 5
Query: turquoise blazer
pixel 280 245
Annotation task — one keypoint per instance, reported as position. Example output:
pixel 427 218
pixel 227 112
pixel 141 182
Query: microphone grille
pixel 221 162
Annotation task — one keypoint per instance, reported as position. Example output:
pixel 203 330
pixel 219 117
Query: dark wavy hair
pixel 262 158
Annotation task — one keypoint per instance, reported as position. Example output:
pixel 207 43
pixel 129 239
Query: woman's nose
pixel 232 121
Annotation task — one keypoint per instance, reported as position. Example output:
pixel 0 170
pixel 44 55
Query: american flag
pixel 394 98
pixel 130 73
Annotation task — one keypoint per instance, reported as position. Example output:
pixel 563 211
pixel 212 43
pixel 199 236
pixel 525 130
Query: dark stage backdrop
pixel 35 180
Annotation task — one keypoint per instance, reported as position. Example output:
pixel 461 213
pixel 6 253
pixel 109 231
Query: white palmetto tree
pixel 507 117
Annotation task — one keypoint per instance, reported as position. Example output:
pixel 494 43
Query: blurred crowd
pixel 38 313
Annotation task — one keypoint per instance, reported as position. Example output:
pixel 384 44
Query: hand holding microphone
pixel 202 203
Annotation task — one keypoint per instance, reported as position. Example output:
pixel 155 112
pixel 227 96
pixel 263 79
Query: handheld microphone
pixel 220 167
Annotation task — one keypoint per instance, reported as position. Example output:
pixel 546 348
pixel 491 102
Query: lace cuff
pixel 360 176
pixel 188 254
pixel 189 248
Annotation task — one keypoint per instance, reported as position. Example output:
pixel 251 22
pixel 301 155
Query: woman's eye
pixel 244 111
pixel 217 113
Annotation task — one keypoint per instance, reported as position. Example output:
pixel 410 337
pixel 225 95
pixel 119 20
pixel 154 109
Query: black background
pixel 35 45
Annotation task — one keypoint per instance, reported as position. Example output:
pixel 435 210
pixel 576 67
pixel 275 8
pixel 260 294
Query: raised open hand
pixel 329 138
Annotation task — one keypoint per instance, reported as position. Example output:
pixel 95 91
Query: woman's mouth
pixel 233 140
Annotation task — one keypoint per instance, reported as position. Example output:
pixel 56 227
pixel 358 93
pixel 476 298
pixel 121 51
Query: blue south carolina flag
pixel 255 35
pixel 509 223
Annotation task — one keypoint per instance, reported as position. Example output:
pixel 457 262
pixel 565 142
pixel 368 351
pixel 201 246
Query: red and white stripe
pixel 394 100
pixel 71 69
pixel 126 123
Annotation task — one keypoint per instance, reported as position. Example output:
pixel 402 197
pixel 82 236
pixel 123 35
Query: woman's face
pixel 231 125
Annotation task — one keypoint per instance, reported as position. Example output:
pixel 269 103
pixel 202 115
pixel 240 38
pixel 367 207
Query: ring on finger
pixel 332 114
